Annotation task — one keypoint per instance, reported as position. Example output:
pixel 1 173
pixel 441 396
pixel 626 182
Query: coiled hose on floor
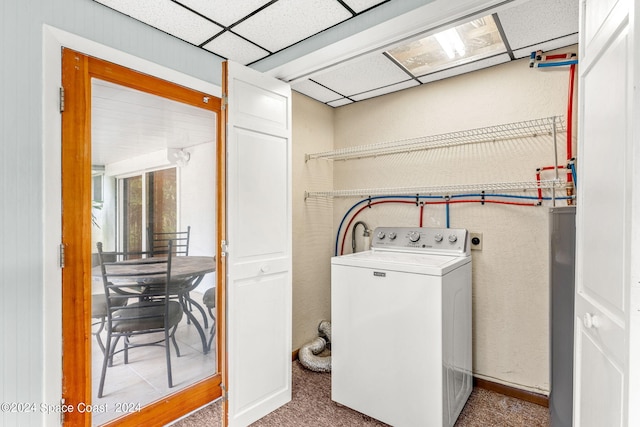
pixel 309 352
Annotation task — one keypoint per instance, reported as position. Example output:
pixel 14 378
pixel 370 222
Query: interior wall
pixel 510 274
pixel 31 369
pixel 312 220
pixel 198 203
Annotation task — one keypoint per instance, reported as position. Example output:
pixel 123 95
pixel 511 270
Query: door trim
pixel 53 40
pixel 78 69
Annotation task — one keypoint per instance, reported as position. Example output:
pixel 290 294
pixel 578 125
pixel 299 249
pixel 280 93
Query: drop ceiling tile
pixel 315 91
pixel 360 5
pixel 547 46
pixel 371 72
pixel 537 21
pixel 385 90
pixel 340 102
pixel 473 66
pixel 288 21
pixel 167 16
pixel 230 46
pixel 225 12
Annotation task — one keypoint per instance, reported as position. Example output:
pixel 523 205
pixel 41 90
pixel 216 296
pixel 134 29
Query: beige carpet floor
pixel 311 405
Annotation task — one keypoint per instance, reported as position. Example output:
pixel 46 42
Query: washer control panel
pixel 450 241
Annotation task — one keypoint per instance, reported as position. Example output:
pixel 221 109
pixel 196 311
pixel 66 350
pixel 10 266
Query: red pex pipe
pixel 422 206
pixel 546 168
pixel 558 56
pixel 360 210
pixel 572 70
pixel 572 73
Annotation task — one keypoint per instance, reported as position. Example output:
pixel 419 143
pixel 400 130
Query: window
pixel 148 205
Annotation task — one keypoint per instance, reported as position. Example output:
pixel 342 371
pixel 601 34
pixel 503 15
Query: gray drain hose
pixel 308 353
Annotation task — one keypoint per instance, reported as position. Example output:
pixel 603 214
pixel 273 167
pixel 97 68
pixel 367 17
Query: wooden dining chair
pixel 154 313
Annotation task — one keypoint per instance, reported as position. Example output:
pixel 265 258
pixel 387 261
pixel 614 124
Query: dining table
pixel 186 274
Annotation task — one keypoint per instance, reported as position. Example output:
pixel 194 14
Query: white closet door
pixel 603 215
pixel 259 244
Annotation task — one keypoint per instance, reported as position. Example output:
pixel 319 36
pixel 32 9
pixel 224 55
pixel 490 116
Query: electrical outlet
pixel 476 241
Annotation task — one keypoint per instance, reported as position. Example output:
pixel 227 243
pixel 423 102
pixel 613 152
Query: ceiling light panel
pixel 315 91
pixel 465 43
pixel 225 12
pixel 538 21
pixel 385 90
pixel 360 76
pixel 289 21
pixel 230 46
pixel 167 16
pixel 466 68
pixel 360 5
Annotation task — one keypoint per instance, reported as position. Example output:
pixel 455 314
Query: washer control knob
pixel 438 237
pixel 414 236
pixel 453 238
pixel 392 236
pixel 381 235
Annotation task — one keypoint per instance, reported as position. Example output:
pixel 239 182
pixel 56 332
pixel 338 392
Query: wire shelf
pixel 445 190
pixel 504 132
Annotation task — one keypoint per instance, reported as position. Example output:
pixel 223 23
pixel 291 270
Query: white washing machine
pixel 401 326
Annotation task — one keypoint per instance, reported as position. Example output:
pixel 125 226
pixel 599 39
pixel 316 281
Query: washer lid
pixel 410 262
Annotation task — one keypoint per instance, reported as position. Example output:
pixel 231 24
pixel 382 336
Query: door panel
pixel 263 296
pixel 264 224
pixel 259 107
pixel 598 371
pixel 605 128
pixel 603 216
pixel 78 70
pixel 258 287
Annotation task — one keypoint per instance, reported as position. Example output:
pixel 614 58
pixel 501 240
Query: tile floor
pixel 144 379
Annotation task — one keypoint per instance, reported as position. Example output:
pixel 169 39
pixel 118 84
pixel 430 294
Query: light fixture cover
pixel 455 46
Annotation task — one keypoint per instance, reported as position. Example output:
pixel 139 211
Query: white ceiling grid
pixel 466 68
pixel 167 16
pixel 281 24
pixel 229 45
pixel 361 5
pixel 366 74
pixel 225 12
pixel 538 21
pixel 250 31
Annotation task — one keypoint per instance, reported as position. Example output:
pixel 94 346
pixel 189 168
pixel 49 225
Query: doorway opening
pixel 139 156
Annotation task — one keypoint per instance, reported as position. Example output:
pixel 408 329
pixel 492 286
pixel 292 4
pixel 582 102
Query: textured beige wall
pixel 510 274
pixel 312 220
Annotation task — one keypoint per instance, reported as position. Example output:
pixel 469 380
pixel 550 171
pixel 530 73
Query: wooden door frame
pixel 77 71
pixel 221 265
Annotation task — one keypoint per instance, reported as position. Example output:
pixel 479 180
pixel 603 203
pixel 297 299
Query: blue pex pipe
pixel 447 214
pixel 367 200
pixel 555 64
pixel 511 196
